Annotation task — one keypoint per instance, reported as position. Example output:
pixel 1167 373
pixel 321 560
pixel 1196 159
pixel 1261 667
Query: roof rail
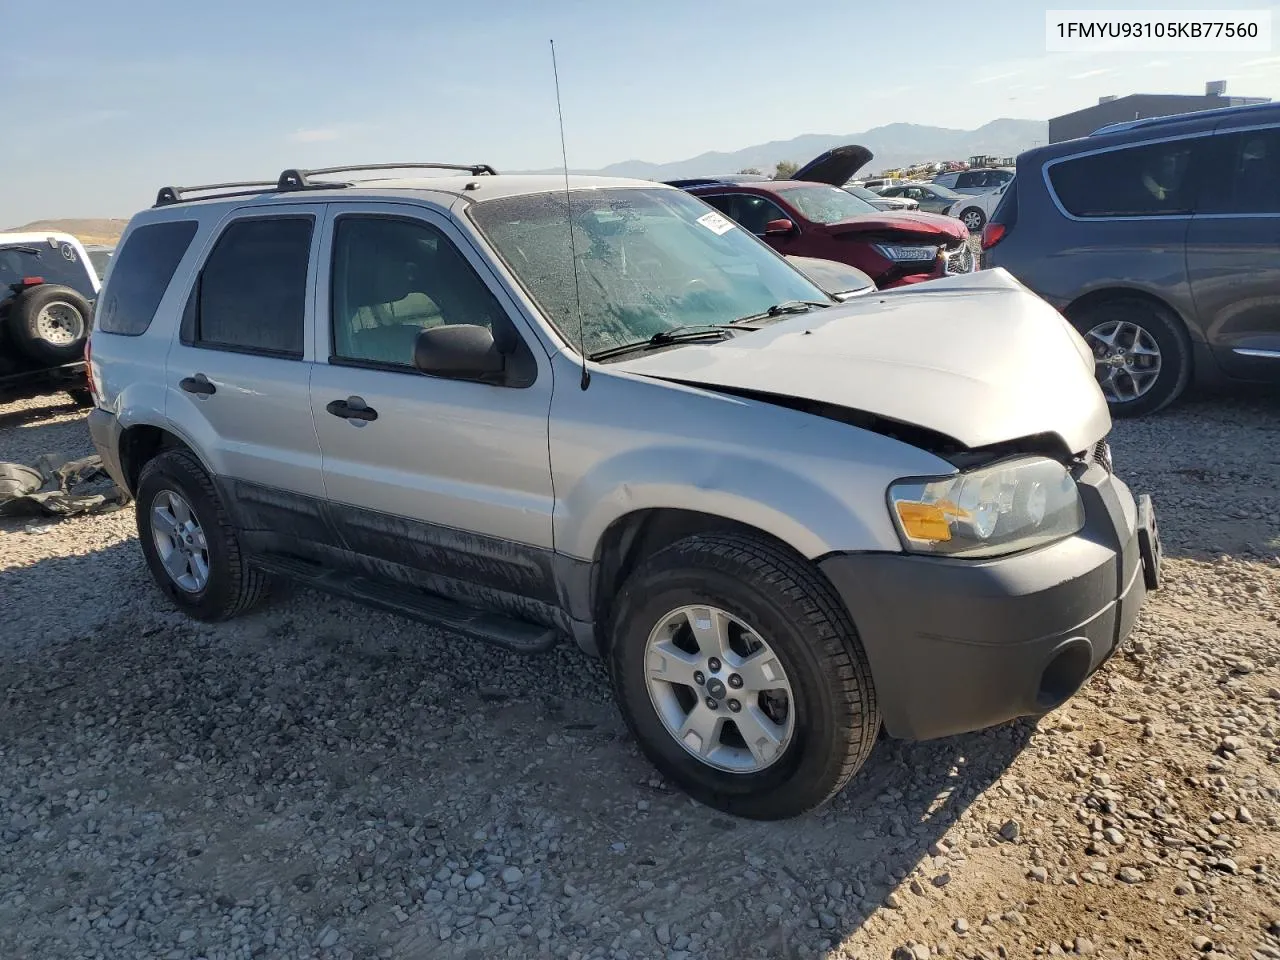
pixel 168 195
pixel 1170 118
pixel 297 179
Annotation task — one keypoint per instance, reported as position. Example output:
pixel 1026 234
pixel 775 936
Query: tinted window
pixel 59 264
pixel 752 211
pixel 394 278
pixel 1245 174
pixel 968 180
pixel 143 268
pixel 252 290
pixel 1151 180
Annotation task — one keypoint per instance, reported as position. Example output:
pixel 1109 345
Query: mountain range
pixel 894 145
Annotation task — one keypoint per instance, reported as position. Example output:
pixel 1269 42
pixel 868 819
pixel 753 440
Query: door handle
pixel 199 384
pixel 352 408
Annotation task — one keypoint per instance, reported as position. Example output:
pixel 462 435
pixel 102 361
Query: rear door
pixel 239 371
pixel 1233 253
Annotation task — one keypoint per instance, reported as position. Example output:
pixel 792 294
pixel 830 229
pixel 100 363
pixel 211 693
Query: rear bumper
pixel 105 430
pixel 959 645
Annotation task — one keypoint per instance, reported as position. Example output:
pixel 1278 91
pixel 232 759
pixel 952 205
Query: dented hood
pixel 976 357
pixel 836 167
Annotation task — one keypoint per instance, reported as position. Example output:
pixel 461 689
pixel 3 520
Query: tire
pixel 835 719
pixel 973 218
pixel 231 586
pixel 1158 327
pixel 81 396
pixel 50 323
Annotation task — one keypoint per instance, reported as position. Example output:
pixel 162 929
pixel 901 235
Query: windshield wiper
pixel 680 334
pixel 781 309
pixel 21 248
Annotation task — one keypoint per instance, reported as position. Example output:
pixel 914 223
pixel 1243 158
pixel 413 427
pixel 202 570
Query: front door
pixel 1233 253
pixel 442 482
pixel 240 367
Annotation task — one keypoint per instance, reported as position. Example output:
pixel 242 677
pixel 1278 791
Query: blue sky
pixel 146 92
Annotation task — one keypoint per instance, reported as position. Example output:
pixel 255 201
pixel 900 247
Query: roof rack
pixel 295 179
pixel 298 179
pixel 169 195
pixel 1172 118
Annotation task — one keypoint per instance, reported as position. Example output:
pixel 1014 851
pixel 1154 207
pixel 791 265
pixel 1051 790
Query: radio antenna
pixel 573 249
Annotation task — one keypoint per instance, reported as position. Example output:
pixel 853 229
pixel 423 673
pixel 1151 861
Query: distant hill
pixel 895 145
pixel 89 231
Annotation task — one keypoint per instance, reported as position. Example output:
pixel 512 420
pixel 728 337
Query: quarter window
pixel 143 268
pixel 394 278
pixel 1246 177
pixel 1149 180
pixel 251 295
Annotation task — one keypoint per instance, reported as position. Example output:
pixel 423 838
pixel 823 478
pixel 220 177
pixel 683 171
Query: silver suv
pixel 531 409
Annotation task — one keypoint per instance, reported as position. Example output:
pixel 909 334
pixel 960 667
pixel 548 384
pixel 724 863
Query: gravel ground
pixel 319 780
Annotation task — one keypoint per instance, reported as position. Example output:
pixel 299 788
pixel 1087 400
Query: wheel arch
pixel 143 442
pixel 1110 294
pixel 632 537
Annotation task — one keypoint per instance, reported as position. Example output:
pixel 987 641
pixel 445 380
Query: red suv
pixel 810 215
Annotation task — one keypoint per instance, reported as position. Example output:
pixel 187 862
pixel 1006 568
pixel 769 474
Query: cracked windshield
pixel 647 261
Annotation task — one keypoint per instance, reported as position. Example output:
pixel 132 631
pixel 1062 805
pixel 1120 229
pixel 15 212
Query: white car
pixel 974 212
pixel 891 204
pixel 975 182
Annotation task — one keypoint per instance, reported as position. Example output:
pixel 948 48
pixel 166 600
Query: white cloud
pixel 1155 64
pixel 1264 62
pixel 999 76
pixel 1091 73
pixel 315 135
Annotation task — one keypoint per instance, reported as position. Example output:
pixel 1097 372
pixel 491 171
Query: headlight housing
pixel 907 253
pixel 1003 508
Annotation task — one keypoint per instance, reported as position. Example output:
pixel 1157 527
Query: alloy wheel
pixel 180 541
pixel 1126 359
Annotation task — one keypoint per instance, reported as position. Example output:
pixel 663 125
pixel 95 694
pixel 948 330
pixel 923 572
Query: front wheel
pixel 741 676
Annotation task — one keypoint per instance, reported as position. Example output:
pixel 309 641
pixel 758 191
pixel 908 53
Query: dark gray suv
pixel 1160 240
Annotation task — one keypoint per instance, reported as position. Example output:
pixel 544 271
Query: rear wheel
pixel 973 218
pixel 1142 358
pixel 741 676
pixel 189 542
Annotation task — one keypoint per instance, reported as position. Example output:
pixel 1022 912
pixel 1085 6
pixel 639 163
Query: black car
pixel 1160 240
pixel 47 290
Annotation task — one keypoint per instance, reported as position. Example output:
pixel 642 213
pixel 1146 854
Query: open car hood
pixel 978 358
pixel 836 167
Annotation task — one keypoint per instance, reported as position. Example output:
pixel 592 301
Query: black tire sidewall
pixel 982 218
pixel 24 332
pixel 1166 330
pixel 805 767
pixel 173 471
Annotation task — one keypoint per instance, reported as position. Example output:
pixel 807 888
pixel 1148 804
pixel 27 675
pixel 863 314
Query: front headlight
pixel 906 253
pixel 1002 508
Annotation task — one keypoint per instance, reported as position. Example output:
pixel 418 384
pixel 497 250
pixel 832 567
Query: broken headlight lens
pixel 1002 508
pixel 907 253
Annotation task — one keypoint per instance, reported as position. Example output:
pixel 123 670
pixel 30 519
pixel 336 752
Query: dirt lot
pixel 318 780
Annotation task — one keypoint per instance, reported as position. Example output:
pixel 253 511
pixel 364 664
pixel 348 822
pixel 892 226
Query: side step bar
pixel 519 636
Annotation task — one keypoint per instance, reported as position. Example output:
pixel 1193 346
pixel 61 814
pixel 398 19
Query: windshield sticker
pixel 716 223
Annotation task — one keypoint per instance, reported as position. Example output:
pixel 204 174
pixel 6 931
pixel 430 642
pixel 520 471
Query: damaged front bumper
pixel 960 645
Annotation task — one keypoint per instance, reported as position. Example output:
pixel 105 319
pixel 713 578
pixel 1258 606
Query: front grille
pixel 1101 455
pixel 960 260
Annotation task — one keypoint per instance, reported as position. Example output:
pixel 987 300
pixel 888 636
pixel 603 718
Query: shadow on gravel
pixel 23 416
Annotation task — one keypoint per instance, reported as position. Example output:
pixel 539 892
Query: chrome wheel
pixel 719 689
pixel 59 323
pixel 1126 359
pixel 180 542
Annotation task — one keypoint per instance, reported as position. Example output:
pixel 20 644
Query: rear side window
pixel 59 263
pixel 1006 210
pixel 1149 180
pixel 1245 175
pixel 251 295
pixel 144 266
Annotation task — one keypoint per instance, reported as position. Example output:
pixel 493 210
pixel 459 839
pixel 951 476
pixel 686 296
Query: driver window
pixel 394 278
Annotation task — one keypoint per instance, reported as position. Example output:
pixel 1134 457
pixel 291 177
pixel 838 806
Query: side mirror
pixel 778 228
pixel 460 351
